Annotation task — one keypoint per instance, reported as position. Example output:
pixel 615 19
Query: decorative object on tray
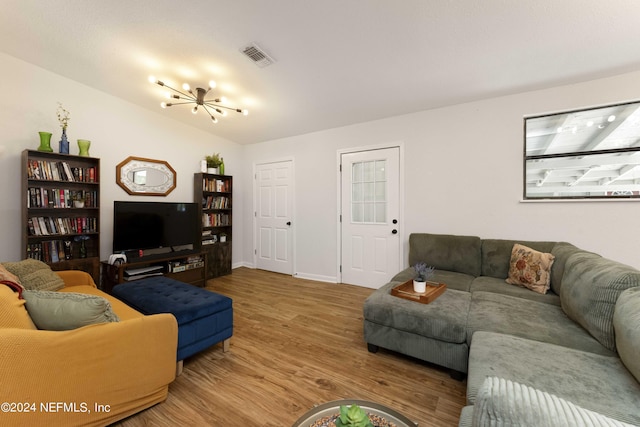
pixel 45 142
pixel 213 163
pixel 432 291
pixel 83 146
pixel 353 413
pixel 423 273
pixel 63 118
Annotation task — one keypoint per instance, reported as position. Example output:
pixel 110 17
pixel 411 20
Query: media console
pixel 187 268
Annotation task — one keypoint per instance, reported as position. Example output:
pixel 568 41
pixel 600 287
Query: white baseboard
pixel 316 277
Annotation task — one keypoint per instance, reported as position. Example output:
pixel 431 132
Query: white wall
pixel 117 129
pixel 463 166
pixel 463 175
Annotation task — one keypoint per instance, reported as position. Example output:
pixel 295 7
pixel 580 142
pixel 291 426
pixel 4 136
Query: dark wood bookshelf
pixel 55 230
pixel 214 195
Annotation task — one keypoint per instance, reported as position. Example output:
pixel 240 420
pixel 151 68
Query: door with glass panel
pixel 370 200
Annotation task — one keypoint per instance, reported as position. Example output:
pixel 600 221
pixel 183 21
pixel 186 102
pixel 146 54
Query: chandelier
pixel 211 106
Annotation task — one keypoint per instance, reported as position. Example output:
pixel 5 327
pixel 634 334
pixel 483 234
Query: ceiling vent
pixel 257 55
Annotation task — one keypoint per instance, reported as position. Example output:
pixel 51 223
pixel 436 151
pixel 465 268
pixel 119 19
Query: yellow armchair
pixel 91 376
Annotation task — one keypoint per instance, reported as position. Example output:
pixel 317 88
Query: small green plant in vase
pixel 423 273
pixel 353 416
pixel 213 162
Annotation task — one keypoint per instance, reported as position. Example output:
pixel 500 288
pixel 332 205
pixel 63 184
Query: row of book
pixel 216 220
pixel 59 171
pixel 50 250
pixel 46 226
pixel 59 198
pixel 215 185
pixel 216 202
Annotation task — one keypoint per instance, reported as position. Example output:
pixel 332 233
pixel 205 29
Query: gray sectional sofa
pixel 577 347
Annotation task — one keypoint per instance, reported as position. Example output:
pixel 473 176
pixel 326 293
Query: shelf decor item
pixel 63 118
pixel 213 163
pixel 45 142
pixel 83 145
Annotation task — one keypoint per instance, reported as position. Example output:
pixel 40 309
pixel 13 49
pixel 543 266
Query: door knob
pixel 288 222
pixel 394 231
pixel 395 221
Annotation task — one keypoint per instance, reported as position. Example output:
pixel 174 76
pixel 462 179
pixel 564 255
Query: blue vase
pixel 64 143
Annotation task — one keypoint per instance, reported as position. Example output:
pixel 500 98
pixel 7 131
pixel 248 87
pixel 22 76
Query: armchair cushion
pixel 61 311
pixel 35 275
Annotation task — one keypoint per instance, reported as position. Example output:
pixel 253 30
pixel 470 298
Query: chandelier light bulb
pixel 245 112
pixel 152 79
pixel 186 87
pixel 212 84
pixel 195 110
pixel 214 120
pixel 167 95
pixel 223 99
pixel 163 104
pixel 611 118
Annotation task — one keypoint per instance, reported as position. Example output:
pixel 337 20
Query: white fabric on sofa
pixel 504 403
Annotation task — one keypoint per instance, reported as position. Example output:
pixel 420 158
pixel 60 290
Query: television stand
pixel 187 268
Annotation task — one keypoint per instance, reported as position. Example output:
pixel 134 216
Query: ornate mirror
pixel 145 177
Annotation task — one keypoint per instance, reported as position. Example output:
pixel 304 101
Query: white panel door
pixel 370 199
pixel 274 204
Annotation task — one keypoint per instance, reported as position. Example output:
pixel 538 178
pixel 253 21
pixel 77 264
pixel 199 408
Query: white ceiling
pixel 337 62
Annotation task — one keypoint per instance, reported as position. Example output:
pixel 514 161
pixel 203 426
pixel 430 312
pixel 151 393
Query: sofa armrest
pixel 124 366
pixel 76 278
pixel 505 403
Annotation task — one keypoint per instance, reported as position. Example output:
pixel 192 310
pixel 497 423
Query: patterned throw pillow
pixel 35 275
pixel 530 268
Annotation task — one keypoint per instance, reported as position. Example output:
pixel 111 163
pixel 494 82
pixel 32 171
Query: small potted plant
pixel 213 163
pixel 353 416
pixel 78 200
pixel 423 273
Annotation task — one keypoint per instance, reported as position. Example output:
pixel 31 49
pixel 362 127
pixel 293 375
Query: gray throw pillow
pixel 35 275
pixel 61 311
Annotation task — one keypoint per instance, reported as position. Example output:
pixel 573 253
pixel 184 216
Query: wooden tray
pixel 405 290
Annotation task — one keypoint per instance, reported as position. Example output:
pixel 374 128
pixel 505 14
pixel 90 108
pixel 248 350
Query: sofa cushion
pixel 528 319
pixel 13 314
pixel 496 254
pixel 577 376
pixel 58 311
pixel 530 268
pixel 35 275
pixel 444 319
pixel 562 251
pixel 498 286
pixel 460 254
pixel 590 288
pixel 626 322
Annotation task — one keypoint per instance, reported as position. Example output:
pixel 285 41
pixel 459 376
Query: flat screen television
pixel 155 228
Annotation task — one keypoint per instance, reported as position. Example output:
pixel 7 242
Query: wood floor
pixel 297 343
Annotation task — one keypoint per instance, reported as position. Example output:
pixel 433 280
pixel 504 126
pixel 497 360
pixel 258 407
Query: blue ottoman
pixel 204 318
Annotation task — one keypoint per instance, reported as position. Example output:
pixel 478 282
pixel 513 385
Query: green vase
pixel 45 142
pixel 83 145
